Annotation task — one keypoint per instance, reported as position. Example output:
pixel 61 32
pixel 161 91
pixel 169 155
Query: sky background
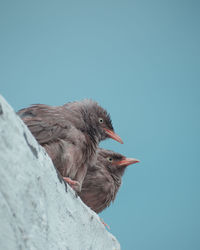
pixel 141 61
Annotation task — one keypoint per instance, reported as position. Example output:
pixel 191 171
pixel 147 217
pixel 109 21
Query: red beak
pixel 127 161
pixel 112 135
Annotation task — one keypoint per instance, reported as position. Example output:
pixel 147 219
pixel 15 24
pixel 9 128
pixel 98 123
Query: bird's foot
pixel 74 184
pixel 106 225
pixel 69 181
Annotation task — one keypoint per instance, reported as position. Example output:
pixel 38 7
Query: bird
pixel 103 179
pixel 70 135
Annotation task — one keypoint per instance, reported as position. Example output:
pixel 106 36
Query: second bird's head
pixel 114 162
pixel 95 120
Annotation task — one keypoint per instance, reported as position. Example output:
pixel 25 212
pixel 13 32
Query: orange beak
pixel 112 135
pixel 127 161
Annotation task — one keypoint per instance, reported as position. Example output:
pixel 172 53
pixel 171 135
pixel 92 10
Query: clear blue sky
pixel 141 61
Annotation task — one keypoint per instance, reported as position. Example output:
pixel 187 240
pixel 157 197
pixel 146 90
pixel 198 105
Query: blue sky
pixel 141 61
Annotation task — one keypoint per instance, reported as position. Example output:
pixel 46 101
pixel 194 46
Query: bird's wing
pixel 47 132
pixel 46 123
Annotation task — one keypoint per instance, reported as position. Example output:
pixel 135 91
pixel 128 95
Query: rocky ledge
pixel 37 209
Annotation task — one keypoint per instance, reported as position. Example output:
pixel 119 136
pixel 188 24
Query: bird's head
pixel 114 162
pixel 98 121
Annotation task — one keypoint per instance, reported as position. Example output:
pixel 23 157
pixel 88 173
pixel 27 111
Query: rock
pixel 37 209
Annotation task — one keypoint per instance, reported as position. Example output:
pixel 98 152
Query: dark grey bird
pixel 103 179
pixel 70 134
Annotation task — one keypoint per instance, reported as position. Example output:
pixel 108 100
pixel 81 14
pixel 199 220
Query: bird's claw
pixel 74 184
pixel 69 181
pixel 106 225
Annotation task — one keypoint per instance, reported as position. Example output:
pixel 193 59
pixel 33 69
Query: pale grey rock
pixel 38 211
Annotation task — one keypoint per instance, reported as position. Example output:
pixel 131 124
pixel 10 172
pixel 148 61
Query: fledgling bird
pixel 70 135
pixel 103 179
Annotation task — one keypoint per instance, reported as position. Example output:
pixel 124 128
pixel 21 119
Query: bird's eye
pixel 101 120
pixel 110 159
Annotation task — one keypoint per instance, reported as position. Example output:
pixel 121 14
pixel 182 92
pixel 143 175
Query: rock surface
pixel 38 210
